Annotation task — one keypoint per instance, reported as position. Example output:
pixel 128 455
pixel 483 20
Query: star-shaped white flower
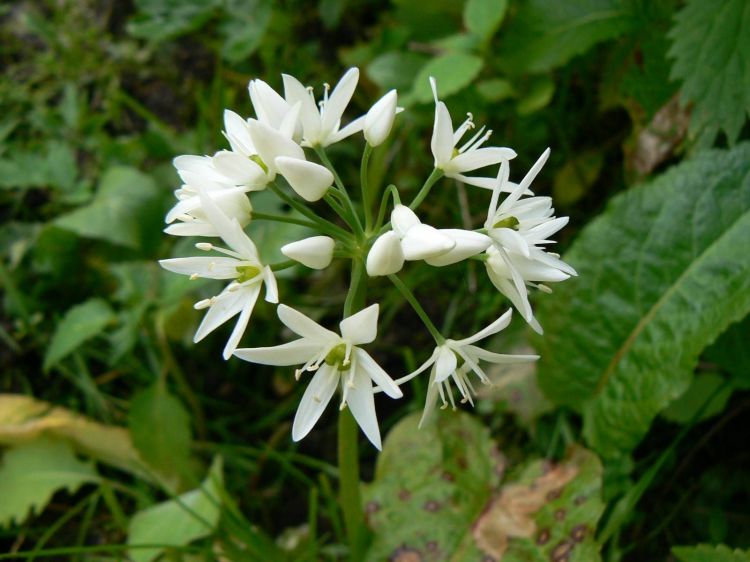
pixel 455 360
pixel 322 126
pixel 336 360
pixel 454 160
pixel 240 263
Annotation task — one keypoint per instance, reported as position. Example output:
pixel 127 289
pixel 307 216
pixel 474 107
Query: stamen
pixel 194 276
pixel 468 143
pixel 205 303
pixel 544 288
pixel 465 126
pixel 205 246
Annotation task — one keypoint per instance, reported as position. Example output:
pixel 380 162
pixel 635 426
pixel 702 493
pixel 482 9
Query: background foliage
pixel 118 432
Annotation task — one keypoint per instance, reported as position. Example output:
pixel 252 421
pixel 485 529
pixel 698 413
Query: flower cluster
pixel 268 152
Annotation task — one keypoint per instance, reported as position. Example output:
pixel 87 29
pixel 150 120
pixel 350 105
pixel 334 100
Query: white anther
pixel 205 246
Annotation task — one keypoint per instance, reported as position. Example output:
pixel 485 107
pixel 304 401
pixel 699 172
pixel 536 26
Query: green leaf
pixel 177 522
pixel 122 212
pixel 160 20
pixel 495 89
pixel 453 73
pixel 661 274
pixel 244 28
pixel 395 69
pixel 710 553
pixel 80 324
pixel 546 34
pixel 704 386
pixel 711 48
pixel 160 427
pixel 436 496
pixel 31 473
pixel 574 179
pixel 732 352
pixel 483 17
pixel 537 97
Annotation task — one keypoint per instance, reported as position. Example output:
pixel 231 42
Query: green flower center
pixel 509 222
pixel 246 272
pixel 336 357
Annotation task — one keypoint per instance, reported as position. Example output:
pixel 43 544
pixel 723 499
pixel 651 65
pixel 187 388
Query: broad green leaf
pixel 31 473
pixel 548 33
pixel 537 97
pixel 574 179
pixel 662 273
pixel 244 28
pixel 436 496
pixel 483 17
pixel 495 89
pixel 710 553
pixel 24 419
pixel 395 69
pixel 160 427
pixel 177 522
pixel 122 211
pixel 693 400
pixel 80 323
pixel 732 352
pixel 711 48
pixel 453 73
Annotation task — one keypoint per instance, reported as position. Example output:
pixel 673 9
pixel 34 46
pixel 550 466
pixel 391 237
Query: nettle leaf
pixel 80 324
pixel 710 553
pixel 160 427
pixel 453 73
pixel 711 48
pixel 122 212
pixel 177 522
pixel 31 473
pixel 662 273
pixel 436 496
pixel 546 34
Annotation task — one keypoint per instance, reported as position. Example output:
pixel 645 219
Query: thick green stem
pixel 429 182
pixel 365 186
pixel 350 498
pixel 409 296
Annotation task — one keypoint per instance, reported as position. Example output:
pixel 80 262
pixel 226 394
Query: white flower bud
pixel 315 252
pixel 386 256
pixel 308 179
pixel 379 120
pixel 468 243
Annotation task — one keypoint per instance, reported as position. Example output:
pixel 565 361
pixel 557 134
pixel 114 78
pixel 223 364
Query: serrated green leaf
pixel 177 522
pixel 31 473
pixel 711 48
pixel 546 34
pixel 483 17
pixel 453 73
pixel 80 323
pixel 125 204
pixel 661 274
pixel 160 427
pixel 395 69
pixel 710 553
pixel 436 496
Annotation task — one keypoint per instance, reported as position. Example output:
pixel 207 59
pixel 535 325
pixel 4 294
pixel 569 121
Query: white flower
pixel 467 243
pixel 517 228
pixel 315 252
pixel 386 256
pixel 308 179
pixel 379 120
pixel 241 264
pixel 455 360
pixel 335 360
pixel 274 110
pixel 453 160
pixel 321 127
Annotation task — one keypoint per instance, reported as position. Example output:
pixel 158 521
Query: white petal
pixel 304 326
pixel 198 168
pixel 229 229
pixel 498 325
pixel 315 399
pixel 385 256
pixel 446 364
pixel 290 126
pixel 271 144
pixel 529 177
pixel 423 241
pixel 379 120
pixel 238 134
pixel 362 406
pixel 226 305
pixel 315 252
pixel 485 183
pixel 272 289
pixel 239 169
pixel 193 228
pixel 354 127
pixel 362 327
pixel 295 92
pixel 499 358
pixel 251 297
pixel 269 106
pixel 511 240
pixel 479 158
pixel 468 243
pixel 430 401
pixel 402 219
pixel 295 352
pixel 442 136
pixel 338 100
pixel 376 373
pixel 203 266
pixel 308 179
